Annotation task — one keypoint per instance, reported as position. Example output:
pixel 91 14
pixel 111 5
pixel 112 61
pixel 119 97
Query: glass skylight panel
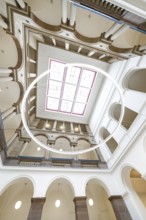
pixel 72 75
pixel 66 106
pixel 78 108
pixel 52 104
pixel 69 92
pixel 68 88
pixel 87 78
pixel 57 70
pixel 54 89
pixel 82 95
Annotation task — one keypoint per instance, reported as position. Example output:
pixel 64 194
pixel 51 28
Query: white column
pixel 111 30
pixel 32 98
pixel 21 3
pixel 9 116
pixel 5 71
pixel 142 47
pixel 119 32
pixel 23 148
pixel 54 126
pixel 32 75
pixel 72 128
pixel 10 141
pixel 72 14
pixel 3 23
pixel 7 112
pixel 6 79
pixel 91 53
pixel 64 11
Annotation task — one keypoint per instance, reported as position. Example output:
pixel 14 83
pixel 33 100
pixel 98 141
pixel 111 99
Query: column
pixel 120 208
pixel 111 30
pixel 6 78
pixel 72 15
pixel 81 210
pixel 21 3
pixel 64 11
pixel 36 208
pixel 10 141
pixel 71 127
pixel 3 24
pixel 23 148
pixel 8 111
pixel 119 32
pixel 4 71
pixel 54 126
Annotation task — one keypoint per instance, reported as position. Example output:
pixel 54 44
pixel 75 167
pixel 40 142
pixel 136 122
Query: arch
pixel 18 190
pixel 15 179
pixel 135 188
pixel 112 144
pixel 63 136
pixel 129 115
pixel 60 189
pixel 135 79
pixel 83 138
pixel 96 191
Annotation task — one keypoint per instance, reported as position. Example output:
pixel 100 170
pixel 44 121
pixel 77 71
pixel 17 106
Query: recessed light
pixel 47 125
pixel 61 149
pixel 38 148
pixel 91 202
pixel 18 204
pixel 57 203
pixel 76 129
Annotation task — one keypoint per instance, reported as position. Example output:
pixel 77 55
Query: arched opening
pixel 136 191
pixel 59 201
pixel 82 145
pixel 15 201
pixel 61 144
pixel 129 115
pixel 136 80
pixel 139 185
pixel 33 149
pixel 112 144
pixel 99 207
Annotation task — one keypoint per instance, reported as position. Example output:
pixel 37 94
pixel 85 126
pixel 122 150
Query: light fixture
pixel 38 148
pixel 47 125
pixel 91 202
pixel 57 203
pixel 61 127
pixel 23 110
pixel 18 205
pixel 76 129
pixel 61 149
pixel 0 90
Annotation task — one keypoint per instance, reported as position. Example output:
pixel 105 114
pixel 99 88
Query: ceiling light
pixel 76 129
pixel 61 127
pixel 60 149
pixel 91 202
pixel 47 125
pixel 57 203
pixel 18 204
pixel 38 148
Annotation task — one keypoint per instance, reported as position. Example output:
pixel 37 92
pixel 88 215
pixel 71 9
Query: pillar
pixel 54 126
pixel 6 78
pixel 10 141
pixel 81 210
pixel 111 30
pixel 7 112
pixel 3 24
pixel 3 71
pixel 120 208
pixel 72 15
pixel 64 11
pixel 21 3
pixel 23 148
pixel 36 208
pixel 119 32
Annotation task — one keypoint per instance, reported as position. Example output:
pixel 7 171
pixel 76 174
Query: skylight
pixel 68 89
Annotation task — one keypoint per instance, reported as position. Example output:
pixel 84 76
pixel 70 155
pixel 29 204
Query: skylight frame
pixel 66 83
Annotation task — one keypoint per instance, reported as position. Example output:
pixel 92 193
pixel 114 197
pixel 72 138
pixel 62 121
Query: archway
pixel 59 201
pixel 99 207
pixel 15 201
